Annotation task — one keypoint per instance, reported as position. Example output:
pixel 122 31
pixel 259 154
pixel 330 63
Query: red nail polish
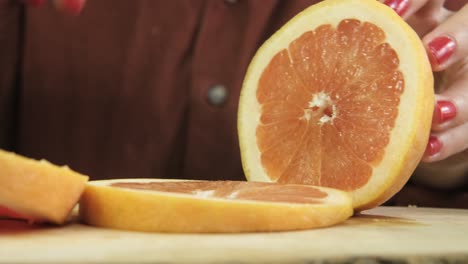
pixel 444 111
pixel 440 49
pixel 400 6
pixel 433 146
pixel 73 7
pixel 35 2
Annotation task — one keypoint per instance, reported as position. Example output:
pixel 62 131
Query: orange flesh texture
pixel 254 191
pixel 329 103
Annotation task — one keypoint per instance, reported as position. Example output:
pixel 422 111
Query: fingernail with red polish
pixel 35 2
pixel 444 111
pixel 73 7
pixel 440 49
pixel 433 146
pixel 400 6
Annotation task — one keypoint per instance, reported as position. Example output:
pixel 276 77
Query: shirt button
pixel 217 95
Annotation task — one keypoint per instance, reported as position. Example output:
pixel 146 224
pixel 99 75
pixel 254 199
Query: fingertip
pixel 433 150
pixel 439 50
pixel 444 111
pixel 399 6
pixel 434 145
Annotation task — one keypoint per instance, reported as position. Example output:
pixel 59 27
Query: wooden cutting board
pixel 378 235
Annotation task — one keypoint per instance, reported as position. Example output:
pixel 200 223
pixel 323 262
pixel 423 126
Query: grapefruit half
pixel 341 96
pixel 37 191
pixel 181 206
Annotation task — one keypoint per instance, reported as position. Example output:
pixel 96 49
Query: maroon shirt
pixel 123 90
pixel 145 89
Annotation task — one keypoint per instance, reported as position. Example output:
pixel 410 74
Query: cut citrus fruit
pixel 341 96
pixel 180 206
pixel 37 191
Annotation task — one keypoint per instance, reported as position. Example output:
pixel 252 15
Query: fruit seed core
pixel 322 105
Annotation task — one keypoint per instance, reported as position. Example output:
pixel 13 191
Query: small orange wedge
pixel 37 191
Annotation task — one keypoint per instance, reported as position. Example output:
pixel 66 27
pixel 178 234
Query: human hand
pixel 443 28
pixel 72 7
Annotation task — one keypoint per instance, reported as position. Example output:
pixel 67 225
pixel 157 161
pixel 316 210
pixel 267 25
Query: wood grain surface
pixel 381 235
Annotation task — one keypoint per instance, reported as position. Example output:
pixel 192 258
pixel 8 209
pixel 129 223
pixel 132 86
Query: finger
pixel 401 7
pixel 445 144
pixel 72 7
pixel 448 43
pixel 426 9
pixel 422 15
pixel 451 107
pixel 407 8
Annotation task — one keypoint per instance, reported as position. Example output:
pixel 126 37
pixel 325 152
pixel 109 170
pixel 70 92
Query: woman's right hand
pixel 71 7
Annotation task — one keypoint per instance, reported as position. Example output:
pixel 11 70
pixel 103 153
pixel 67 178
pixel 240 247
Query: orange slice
pixel 341 96
pixel 37 191
pixel 210 206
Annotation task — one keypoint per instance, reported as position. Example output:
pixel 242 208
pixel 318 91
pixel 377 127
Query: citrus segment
pixel 37 191
pixel 210 206
pixel 367 64
pixel 234 190
pixel 338 97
